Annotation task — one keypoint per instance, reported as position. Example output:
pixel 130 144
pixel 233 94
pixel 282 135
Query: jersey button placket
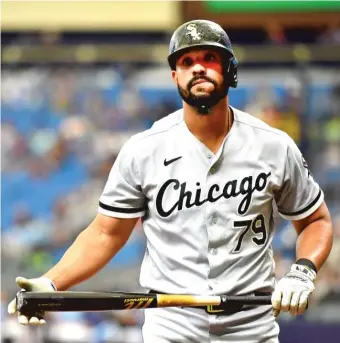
pixel 212 220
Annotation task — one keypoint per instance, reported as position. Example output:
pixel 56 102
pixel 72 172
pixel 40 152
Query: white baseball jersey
pixel 208 218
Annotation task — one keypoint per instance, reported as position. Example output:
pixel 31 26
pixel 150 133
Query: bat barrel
pixel 82 301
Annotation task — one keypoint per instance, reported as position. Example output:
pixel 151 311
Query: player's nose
pixel 198 69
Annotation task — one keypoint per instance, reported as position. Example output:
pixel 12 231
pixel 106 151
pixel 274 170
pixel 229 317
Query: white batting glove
pixel 292 291
pixel 42 284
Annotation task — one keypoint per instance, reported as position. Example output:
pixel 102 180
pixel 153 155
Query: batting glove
pixel 42 284
pixel 292 291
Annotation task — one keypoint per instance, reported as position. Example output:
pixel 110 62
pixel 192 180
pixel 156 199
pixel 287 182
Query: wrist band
pixel 307 263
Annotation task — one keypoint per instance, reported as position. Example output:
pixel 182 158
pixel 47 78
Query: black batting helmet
pixel 201 34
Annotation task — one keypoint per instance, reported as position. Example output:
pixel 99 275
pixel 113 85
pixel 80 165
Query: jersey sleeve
pixel 122 196
pixel 299 195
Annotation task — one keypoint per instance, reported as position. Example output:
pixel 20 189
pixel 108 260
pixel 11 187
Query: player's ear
pixel 174 76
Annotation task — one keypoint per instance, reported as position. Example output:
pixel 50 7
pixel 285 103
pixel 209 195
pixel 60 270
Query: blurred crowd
pixel 270 33
pixel 62 129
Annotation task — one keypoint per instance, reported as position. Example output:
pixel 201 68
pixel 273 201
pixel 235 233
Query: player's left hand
pixel 292 291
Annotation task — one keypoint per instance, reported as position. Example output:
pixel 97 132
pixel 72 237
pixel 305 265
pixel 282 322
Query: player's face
pixel 199 75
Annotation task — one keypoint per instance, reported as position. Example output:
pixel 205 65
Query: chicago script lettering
pixel 232 189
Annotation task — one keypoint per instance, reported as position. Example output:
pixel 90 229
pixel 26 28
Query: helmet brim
pixel 173 58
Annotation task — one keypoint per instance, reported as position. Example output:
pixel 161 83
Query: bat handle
pixel 247 299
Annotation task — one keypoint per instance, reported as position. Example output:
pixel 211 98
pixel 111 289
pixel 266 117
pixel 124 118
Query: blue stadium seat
pixel 39 195
pixel 153 96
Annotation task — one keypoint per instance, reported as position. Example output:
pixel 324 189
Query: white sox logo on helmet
pixel 192 31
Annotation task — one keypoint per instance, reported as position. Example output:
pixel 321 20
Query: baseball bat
pixel 31 302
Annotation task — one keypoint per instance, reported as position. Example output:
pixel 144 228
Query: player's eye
pixel 187 61
pixel 209 57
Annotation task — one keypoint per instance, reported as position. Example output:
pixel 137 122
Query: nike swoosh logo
pixel 166 163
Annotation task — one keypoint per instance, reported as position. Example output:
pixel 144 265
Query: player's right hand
pixel 42 284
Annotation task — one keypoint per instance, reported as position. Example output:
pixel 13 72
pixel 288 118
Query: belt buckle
pixel 212 309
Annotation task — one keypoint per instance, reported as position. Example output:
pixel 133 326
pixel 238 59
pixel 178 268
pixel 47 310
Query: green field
pixel 271 6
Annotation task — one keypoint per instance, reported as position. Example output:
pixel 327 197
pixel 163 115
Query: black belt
pixel 225 309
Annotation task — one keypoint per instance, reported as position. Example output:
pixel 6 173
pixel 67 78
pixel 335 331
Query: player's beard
pixel 203 103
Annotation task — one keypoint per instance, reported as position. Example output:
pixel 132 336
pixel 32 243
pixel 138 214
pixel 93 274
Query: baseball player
pixel 204 180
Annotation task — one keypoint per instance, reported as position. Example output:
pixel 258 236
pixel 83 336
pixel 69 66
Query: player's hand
pixel 41 284
pixel 292 291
